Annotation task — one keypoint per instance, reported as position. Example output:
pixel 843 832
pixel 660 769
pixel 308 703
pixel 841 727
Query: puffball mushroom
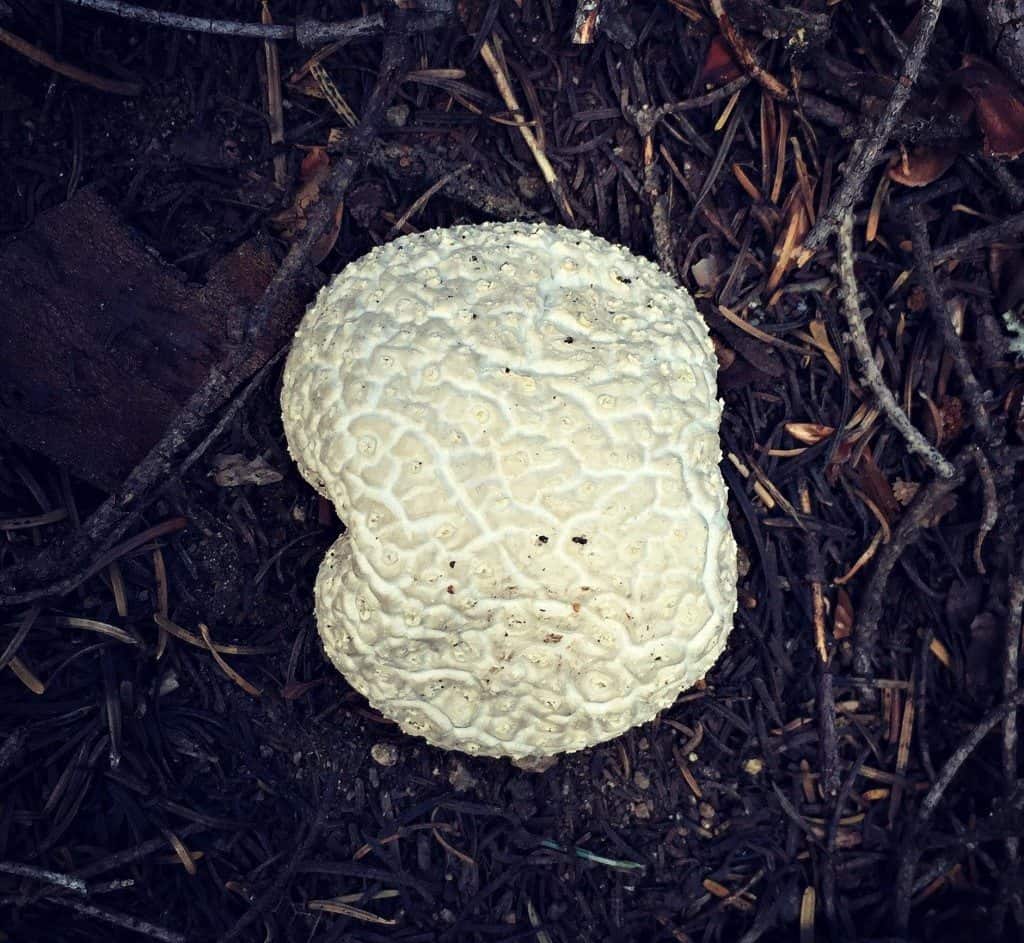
pixel 518 425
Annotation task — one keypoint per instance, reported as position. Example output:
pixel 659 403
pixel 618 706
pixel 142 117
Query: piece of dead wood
pixel 60 568
pixel 106 343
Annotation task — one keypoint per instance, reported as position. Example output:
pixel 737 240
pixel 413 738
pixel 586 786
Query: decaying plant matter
pixel 837 185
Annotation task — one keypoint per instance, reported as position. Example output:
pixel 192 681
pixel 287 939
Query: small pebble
pixel 642 810
pixel 460 777
pixel 384 754
pixel 397 116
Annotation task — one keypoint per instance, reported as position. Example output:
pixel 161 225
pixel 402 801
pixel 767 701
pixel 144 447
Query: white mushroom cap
pixel 518 425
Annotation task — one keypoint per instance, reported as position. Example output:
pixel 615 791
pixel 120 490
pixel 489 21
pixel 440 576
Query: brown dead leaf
pixel 819 333
pixel 313 174
pixel 726 355
pixel 951 418
pixel 719 65
pixel 810 433
pixel 917 300
pixel 840 456
pixel 925 163
pixel 983 652
pixel 921 165
pixel 875 485
pixel 842 621
pixel 796 223
pixel 905 491
pixel 999 103
pixel 232 471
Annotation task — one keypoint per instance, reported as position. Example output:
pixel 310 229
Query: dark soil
pixel 778 800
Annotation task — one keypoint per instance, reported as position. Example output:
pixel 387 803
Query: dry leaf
pixel 921 165
pixel 842 622
pixel 904 491
pixel 1000 107
pixel 726 355
pixel 796 224
pixel 719 65
pixel 951 415
pixel 705 272
pixel 875 485
pixel 313 174
pixel 925 163
pixel 231 471
pixel 819 332
pixel 810 433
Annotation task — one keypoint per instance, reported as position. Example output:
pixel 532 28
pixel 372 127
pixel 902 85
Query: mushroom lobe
pixel 518 424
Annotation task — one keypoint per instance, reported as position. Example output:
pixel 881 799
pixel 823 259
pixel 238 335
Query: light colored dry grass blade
pixel 875 212
pixel 246 686
pixel 182 853
pixel 225 648
pixel 424 198
pixel 94 625
pixel 862 561
pixel 272 98
pixel 807 905
pixel 347 910
pixel 25 676
pixel 780 152
pixel 763 336
pixel 584 27
pixel 333 96
pixel 490 52
pixel 902 756
pixel 117 588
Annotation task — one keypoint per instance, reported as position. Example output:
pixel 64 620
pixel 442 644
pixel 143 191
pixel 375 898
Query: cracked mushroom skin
pixel 518 424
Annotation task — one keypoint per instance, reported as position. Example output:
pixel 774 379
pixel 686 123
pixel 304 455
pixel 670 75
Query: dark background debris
pixel 850 770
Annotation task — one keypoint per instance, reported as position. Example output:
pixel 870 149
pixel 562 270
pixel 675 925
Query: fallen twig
pixel 1011 675
pixel 125 921
pixel 37 55
pixel 585 23
pixel 1009 228
pixel 491 53
pixel 277 887
pixel 973 392
pixel 848 292
pixel 647 118
pixel 746 55
pixel 406 163
pixel 910 851
pixel 275 105
pixel 55 878
pixel 121 510
pixel 865 152
pixel 865 629
pixel 828 748
pixel 306 32
pixel 990 505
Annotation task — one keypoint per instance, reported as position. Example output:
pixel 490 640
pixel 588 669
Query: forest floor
pixel 834 182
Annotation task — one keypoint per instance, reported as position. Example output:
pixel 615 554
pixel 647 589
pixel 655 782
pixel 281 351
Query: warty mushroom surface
pixel 518 425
